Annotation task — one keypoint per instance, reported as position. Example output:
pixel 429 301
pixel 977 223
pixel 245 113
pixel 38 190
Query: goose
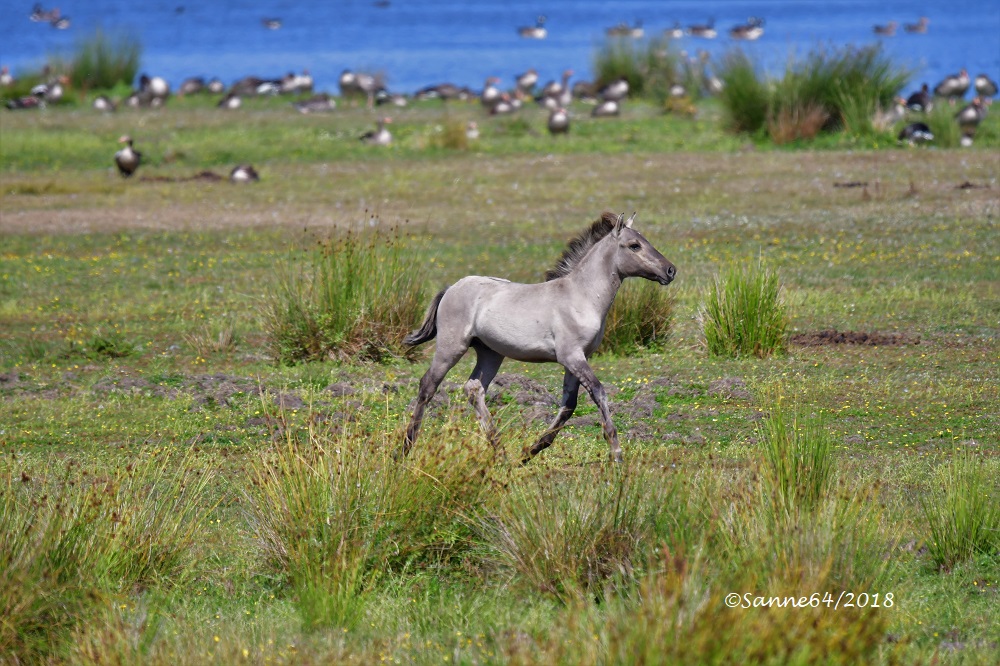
pixel 916 133
pixel 26 102
pixel 558 121
pixel 244 173
pixel 191 86
pixel 5 78
pixel 625 30
pixel 883 120
pixel 703 30
pixel 606 109
pixel 556 94
pixel 271 23
pixel 749 31
pixel 887 30
pixel 472 131
pixel 616 91
pixel 966 140
pixel 41 15
pixel 103 103
pixel 491 94
pixel 230 101
pixel 585 91
pixel 348 83
pixel 677 90
pixel 215 86
pixel 61 23
pixel 675 32
pixel 380 136
pixel 971 115
pixel 293 84
pixel 504 107
pixel 527 81
pixel 985 87
pixel 443 91
pixel 918 28
pixel 536 31
pixel 921 100
pixel 317 104
pixel 953 86
pixel 383 97
pixel 127 159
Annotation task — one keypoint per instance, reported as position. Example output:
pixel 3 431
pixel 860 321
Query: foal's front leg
pixel 581 369
pixel 571 388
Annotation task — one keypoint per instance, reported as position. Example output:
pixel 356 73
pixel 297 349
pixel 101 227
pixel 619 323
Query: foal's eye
pixel 635 247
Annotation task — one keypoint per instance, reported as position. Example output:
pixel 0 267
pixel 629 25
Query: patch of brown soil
pixel 202 176
pixel 834 337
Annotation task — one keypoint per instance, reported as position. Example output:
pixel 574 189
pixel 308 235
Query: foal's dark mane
pixel 579 246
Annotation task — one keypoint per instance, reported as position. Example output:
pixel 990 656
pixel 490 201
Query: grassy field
pixel 172 495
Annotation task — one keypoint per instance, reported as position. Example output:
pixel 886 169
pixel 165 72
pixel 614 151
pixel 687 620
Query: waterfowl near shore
pixel 616 91
pixel 271 23
pixel 953 86
pixel 379 136
pixel 674 32
pixel 5 77
pixel 606 109
pixel 971 115
pixel 230 102
pixel 104 103
pixel 558 122
pixel 526 82
pixel 536 31
pixel 751 30
pixel 321 103
pixel 918 28
pixel 921 101
pixel 491 93
pixel 128 158
pixel 244 173
pixel 625 30
pixel 916 133
pixel 985 87
pixel 26 102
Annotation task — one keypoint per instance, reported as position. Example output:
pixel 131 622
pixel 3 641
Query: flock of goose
pixel 952 89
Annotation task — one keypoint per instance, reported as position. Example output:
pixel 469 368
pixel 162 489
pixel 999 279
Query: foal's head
pixel 636 256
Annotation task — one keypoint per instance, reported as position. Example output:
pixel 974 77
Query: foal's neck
pixel 597 275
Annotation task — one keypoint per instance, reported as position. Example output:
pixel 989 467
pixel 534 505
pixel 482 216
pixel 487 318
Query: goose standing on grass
pixel 230 101
pixel 985 87
pixel 953 86
pixel 379 136
pixel 916 133
pixel 966 140
pixel 504 107
pixel 103 103
pixel 526 82
pixel 26 102
pixel 191 86
pixel 128 158
pixel 244 173
pixel 703 30
pixel 557 94
pixel 491 94
pixel 616 91
pixel 921 101
pixel 918 28
pixel 320 103
pixel 970 116
pixel 472 131
pixel 7 80
pixel 558 122
pixel 536 31
pixel 606 109
pixel 215 86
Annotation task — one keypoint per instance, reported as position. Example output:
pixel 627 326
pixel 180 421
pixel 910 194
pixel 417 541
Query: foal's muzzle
pixel 670 273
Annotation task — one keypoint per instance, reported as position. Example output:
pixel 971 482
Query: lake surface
pixel 420 42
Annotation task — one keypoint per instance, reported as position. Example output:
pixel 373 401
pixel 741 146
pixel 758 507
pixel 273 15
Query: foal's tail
pixel 429 328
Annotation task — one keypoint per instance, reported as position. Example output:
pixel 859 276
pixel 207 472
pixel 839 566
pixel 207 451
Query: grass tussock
pixel 104 60
pixel 944 127
pixel 334 512
pixel 798 467
pixel 451 135
pixel 962 512
pixel 825 91
pixel 743 313
pixel 72 539
pixel 640 319
pixel 650 67
pixel 355 296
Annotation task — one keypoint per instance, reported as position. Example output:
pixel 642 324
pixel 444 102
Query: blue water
pixel 420 42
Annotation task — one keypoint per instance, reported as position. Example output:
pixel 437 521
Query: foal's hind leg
pixel 487 364
pixel 445 358
pixel 571 389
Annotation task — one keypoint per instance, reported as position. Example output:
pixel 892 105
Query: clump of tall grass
pixel 334 512
pixel 641 318
pixel 946 130
pixel 798 467
pixel 71 539
pixel 825 91
pixel 744 314
pixel 355 296
pixel 103 60
pixel 451 135
pixel 962 511
pixel 650 67
pixel 568 534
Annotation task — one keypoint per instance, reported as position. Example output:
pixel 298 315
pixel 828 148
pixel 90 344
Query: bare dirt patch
pixel 834 337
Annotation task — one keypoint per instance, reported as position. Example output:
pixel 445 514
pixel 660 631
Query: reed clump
pixel 743 314
pixel 650 67
pixel 103 60
pixel 640 319
pixel 354 296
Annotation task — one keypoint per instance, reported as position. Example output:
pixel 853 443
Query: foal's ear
pixel 619 225
pixel 628 223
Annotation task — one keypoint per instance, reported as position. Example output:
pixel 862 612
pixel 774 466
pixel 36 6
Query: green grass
pixel 436 552
pixel 744 313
